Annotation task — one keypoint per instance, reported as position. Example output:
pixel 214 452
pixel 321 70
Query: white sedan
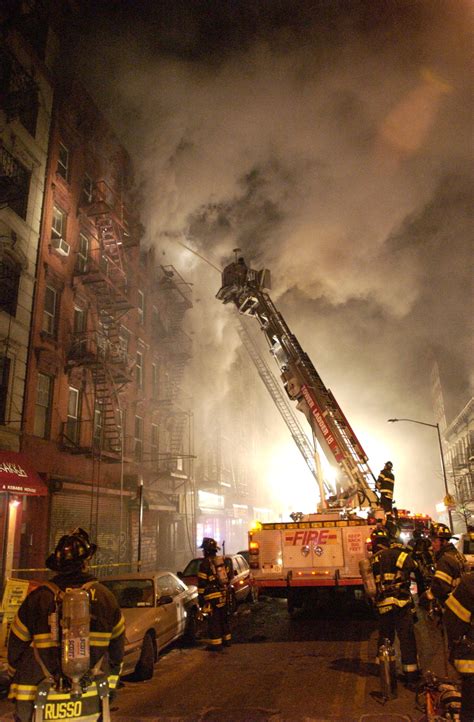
pixel 158 609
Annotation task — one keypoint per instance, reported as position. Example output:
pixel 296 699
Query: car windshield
pixel 131 593
pixel 192 568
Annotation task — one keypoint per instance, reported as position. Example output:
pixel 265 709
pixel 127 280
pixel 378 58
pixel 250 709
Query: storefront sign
pixel 18 477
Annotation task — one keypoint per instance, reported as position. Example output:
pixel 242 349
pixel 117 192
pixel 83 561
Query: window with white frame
pixel 141 307
pixel 58 227
pixel 80 327
pixel 86 190
pixel 50 311
pixel 43 406
pixel 63 162
pixel 82 257
pixel 139 370
pixel 73 415
pixel 98 426
pixel 138 446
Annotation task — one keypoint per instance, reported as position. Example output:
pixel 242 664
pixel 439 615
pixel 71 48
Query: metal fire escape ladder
pixel 280 401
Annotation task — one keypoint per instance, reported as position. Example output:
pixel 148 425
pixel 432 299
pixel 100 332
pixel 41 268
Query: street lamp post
pixel 434 426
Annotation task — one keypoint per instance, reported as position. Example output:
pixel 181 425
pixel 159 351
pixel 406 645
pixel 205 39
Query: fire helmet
pixel 388 464
pixel 71 551
pixel 380 537
pixel 209 545
pixel 440 531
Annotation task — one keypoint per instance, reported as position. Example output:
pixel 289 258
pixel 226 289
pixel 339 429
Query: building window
pixel 98 427
pixel 82 254
pixel 50 311
pixel 86 191
pixel 4 377
pixel 124 337
pixel 73 415
pixel 10 273
pixel 44 396
pixel 154 442
pixel 138 446
pixel 141 307
pixel 63 162
pixel 58 228
pixel 29 114
pixel 154 381
pixel 80 328
pixel 139 370
pixel 15 182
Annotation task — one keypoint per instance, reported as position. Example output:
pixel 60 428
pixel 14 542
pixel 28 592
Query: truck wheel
pixel 148 656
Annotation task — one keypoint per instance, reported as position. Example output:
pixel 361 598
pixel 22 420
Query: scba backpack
pixel 221 572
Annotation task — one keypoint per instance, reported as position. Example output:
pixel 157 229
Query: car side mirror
pixel 166 599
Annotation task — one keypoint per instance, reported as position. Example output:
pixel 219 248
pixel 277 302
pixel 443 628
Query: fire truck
pixel 298 558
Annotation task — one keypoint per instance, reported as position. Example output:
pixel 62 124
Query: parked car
pixel 245 554
pixel 243 587
pixel 466 546
pixel 158 609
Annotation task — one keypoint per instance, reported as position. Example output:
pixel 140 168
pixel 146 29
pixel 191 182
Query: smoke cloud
pixel 330 144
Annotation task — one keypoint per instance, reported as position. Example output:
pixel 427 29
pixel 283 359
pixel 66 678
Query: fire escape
pixel 18 99
pixel 99 347
pixel 18 90
pixel 174 295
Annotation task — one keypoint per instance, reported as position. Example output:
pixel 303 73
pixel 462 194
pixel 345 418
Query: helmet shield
pixel 71 551
pixel 209 545
pixel 440 531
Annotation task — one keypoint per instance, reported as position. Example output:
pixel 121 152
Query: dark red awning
pixel 18 477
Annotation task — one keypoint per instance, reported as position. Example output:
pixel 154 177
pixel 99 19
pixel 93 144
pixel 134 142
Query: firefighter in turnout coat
pixel 385 483
pixel 34 648
pixel 449 566
pixel 213 596
pixel 392 566
pixel 459 620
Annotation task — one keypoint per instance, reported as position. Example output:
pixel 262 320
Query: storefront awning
pixel 18 477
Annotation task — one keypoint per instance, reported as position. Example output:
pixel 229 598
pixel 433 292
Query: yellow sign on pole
pixel 14 593
pixel 449 501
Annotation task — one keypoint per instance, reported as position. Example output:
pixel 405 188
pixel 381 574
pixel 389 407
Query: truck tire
pixel 148 657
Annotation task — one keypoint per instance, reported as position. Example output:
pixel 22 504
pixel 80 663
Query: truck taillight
pixel 254 549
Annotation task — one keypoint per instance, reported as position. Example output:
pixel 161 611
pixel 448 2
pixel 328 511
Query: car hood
pixel 137 621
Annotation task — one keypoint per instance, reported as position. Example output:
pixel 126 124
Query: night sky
pixel 332 142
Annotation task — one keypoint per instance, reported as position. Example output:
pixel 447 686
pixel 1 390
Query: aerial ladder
pixel 354 481
pixel 308 452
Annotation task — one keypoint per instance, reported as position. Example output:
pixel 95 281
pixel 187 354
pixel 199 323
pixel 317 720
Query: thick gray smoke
pixel 335 153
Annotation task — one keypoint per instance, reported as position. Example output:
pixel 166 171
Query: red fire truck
pixel 322 549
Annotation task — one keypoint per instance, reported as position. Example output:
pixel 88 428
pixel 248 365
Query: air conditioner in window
pixel 61 246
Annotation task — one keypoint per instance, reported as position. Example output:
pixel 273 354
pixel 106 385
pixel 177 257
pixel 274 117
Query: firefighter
pixel 458 620
pixel 33 648
pixel 385 483
pixel 449 566
pixel 213 596
pixel 422 552
pixel 392 566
